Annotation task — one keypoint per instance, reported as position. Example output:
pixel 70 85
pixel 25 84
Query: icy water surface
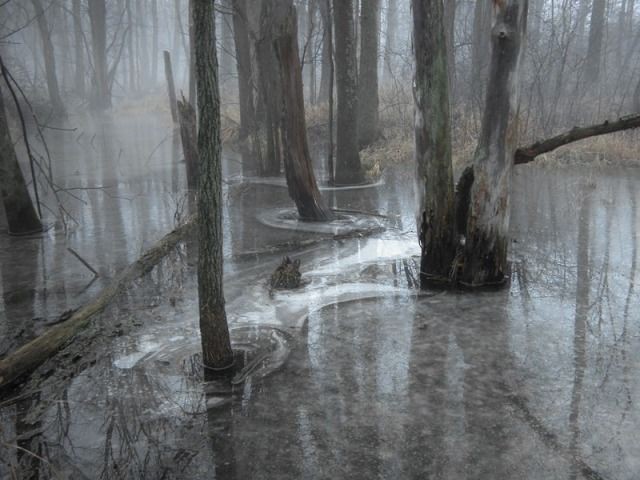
pixel 356 374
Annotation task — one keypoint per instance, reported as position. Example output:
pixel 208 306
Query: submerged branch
pixel 30 356
pixel 529 153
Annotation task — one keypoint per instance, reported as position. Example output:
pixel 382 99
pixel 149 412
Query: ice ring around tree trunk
pixel 323 186
pixel 342 224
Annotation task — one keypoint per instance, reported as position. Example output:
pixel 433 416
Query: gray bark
pixel 390 38
pixel 243 62
pixel 368 102
pixel 301 180
pixel 485 251
pixel 20 212
pixel 102 84
pixel 348 167
pixel 596 34
pixel 216 345
pixel 325 73
pixel 435 217
pixel 49 59
pixel 171 89
pixel 481 47
pixel 79 48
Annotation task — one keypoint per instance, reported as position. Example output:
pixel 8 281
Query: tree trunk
pixel 168 72
pixel 270 91
pixel 21 215
pixel 216 345
pixel 243 62
pixel 130 54
pixel 348 168
pixel 325 73
pixel 49 59
pixel 450 26
pixel 154 40
pixel 390 38
pixel 596 33
pixel 192 60
pixel 102 85
pixel 486 243
pixel 433 143
pixel 301 180
pixel 368 74
pixel 79 48
pixel 189 137
pixel 481 44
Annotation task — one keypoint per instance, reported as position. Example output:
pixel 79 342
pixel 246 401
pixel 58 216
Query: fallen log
pixel 529 153
pixel 30 356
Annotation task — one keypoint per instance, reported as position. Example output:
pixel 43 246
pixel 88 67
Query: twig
pixel 83 261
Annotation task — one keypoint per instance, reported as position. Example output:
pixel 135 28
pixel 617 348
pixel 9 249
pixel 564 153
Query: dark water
pixel 536 381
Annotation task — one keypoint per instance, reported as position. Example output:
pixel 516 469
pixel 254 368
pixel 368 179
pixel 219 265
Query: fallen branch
pixel 30 356
pixel 529 153
pixel 83 261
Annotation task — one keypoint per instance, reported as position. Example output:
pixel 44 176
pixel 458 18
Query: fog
pixel 298 239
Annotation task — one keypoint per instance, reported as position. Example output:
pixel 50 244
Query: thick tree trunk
pixel 348 168
pixel 49 59
pixel 530 152
pixel 216 345
pixel 485 253
pixel 301 180
pixel 79 48
pixel 171 89
pixel 21 215
pixel 368 130
pixel 481 46
pixel 596 34
pixel 102 84
pixel 243 62
pixel 435 217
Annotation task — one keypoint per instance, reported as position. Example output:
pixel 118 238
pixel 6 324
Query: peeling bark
pixel 486 245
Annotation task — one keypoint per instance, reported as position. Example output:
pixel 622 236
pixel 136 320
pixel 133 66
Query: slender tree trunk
pixel 243 62
pixel 368 76
pixel 330 162
pixel 390 38
pixel 450 24
pixel 301 180
pixel 79 48
pixel 168 72
pixel 192 59
pixel 486 243
pixel 348 168
pixel 227 36
pixel 216 345
pixel 102 85
pixel 269 78
pixel 20 212
pixel 130 54
pixel 433 143
pixel 143 53
pixel 325 14
pixel 189 137
pixel 596 34
pixel 49 58
pixel 311 49
pixel 154 40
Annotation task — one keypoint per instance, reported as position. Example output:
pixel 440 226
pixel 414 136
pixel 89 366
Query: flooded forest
pixel 319 239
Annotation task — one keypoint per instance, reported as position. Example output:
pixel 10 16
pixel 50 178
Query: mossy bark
pixel 436 212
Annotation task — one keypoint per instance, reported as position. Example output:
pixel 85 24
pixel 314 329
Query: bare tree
pixel 20 212
pixel 49 59
pixel 596 33
pixel 433 143
pixel 368 102
pixel 216 345
pixel 348 167
pixel 301 180
pixel 78 37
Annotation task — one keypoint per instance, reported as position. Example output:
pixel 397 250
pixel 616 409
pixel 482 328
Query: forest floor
pixel 356 374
